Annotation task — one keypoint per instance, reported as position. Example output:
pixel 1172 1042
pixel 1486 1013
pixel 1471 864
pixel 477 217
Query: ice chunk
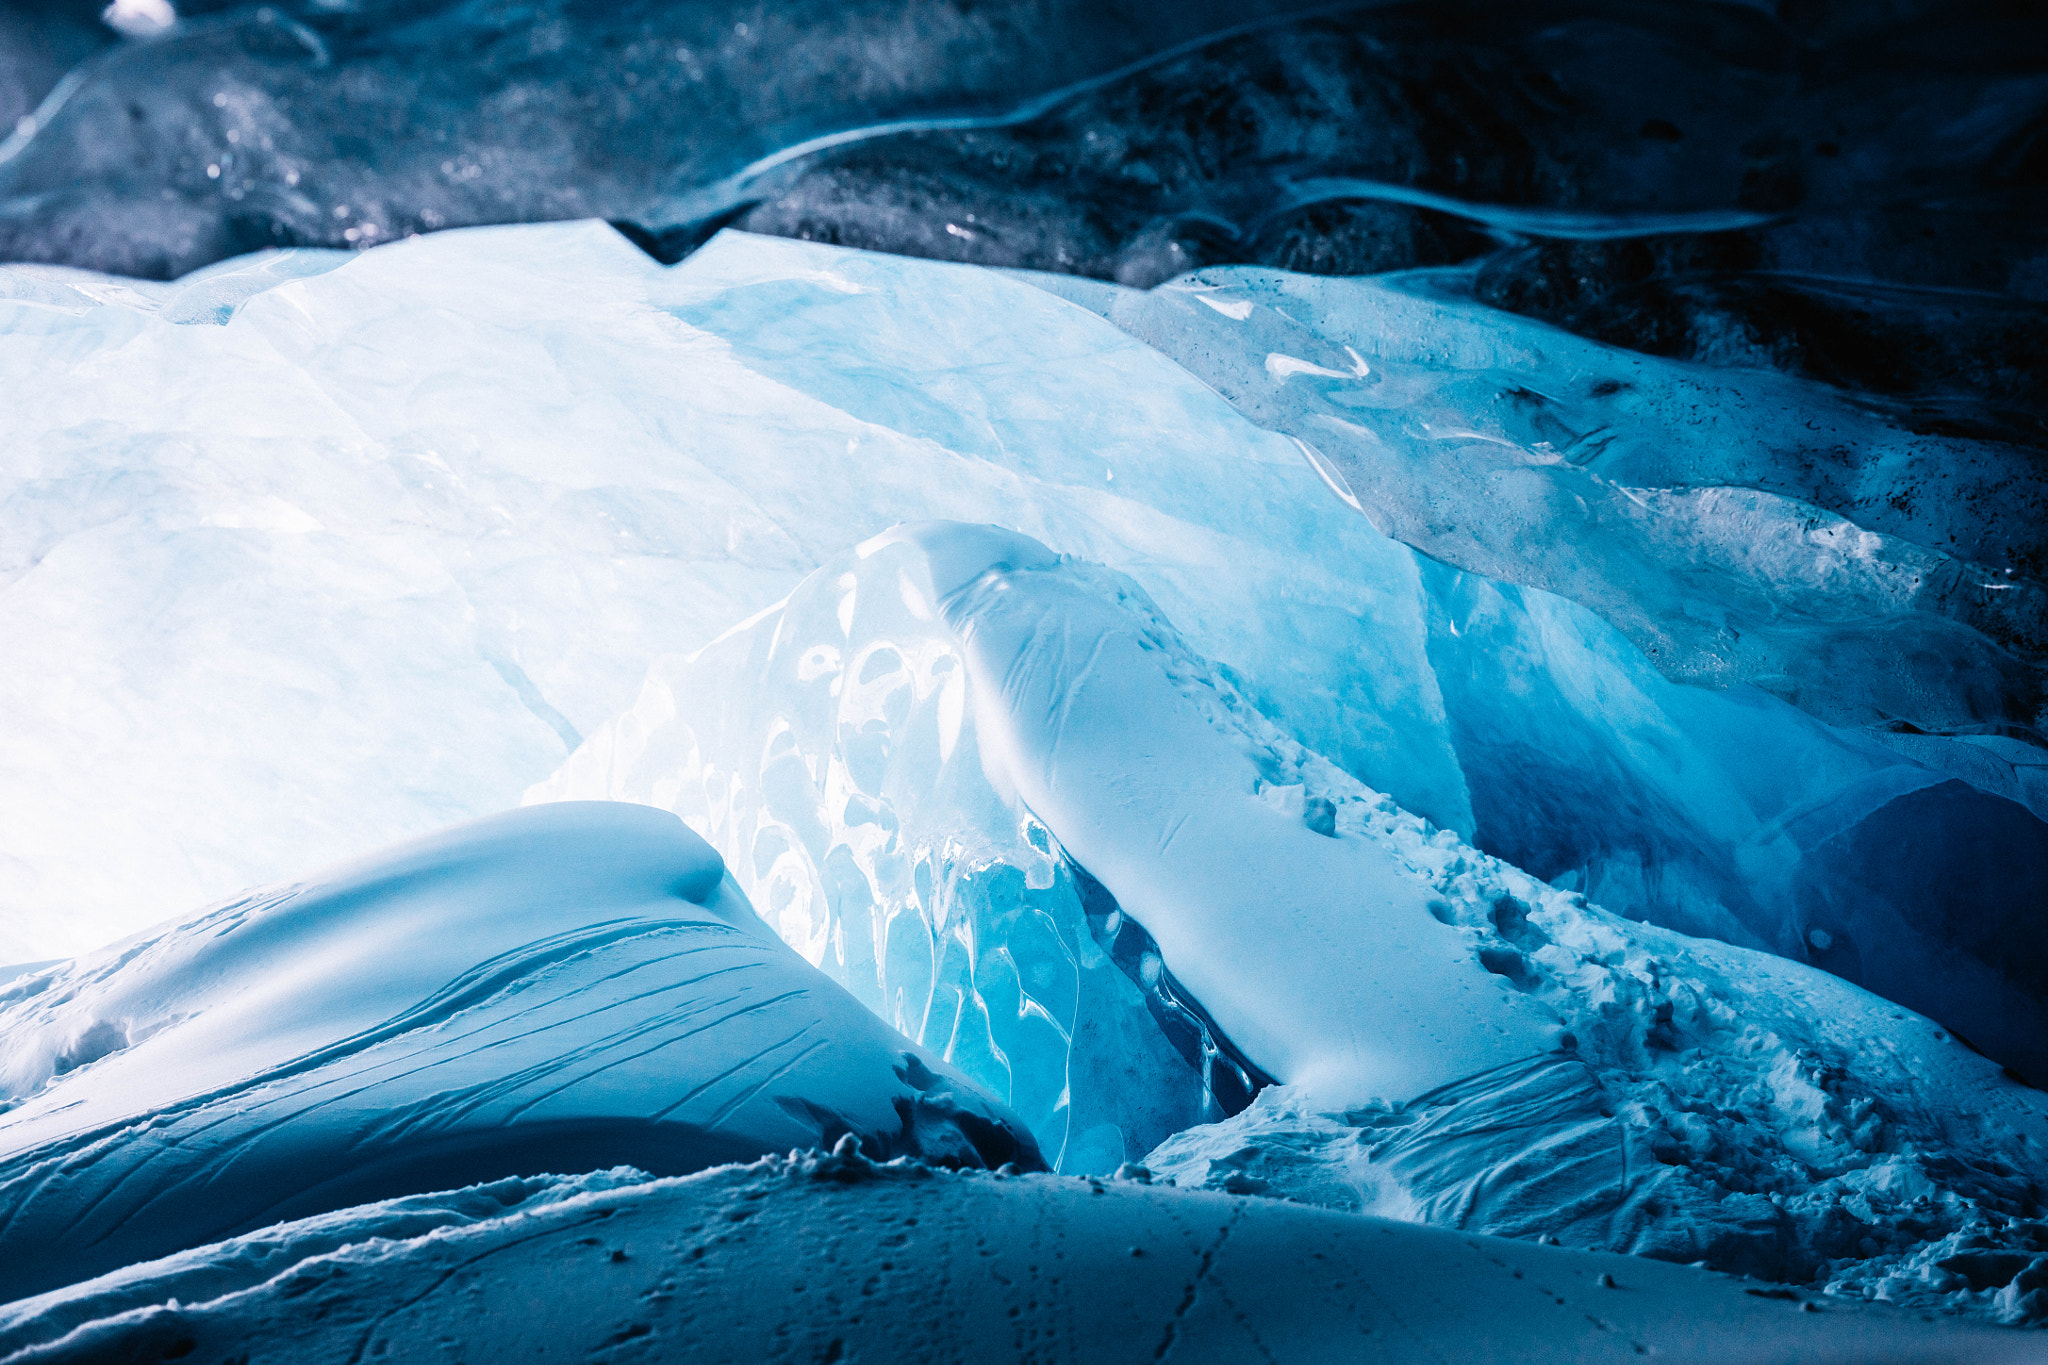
pixel 805 754
pixel 832 749
pixel 547 990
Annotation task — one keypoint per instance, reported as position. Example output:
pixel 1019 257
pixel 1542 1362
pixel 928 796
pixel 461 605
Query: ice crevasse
pixel 958 770
pixel 516 463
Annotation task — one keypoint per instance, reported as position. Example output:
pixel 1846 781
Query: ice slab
pixel 557 989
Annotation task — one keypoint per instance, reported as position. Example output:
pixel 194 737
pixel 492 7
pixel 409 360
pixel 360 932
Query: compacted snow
pixel 826 1258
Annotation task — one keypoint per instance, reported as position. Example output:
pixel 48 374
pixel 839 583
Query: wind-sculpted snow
pixel 375 553
pixel 546 990
pixel 1492 1053
pixel 832 1256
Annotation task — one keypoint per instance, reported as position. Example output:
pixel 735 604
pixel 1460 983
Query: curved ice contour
pixel 1499 1055
pixel 547 990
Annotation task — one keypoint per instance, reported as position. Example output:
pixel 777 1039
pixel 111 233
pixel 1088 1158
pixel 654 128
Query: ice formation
pixel 1736 525
pixel 824 1257
pixel 553 989
pixel 1482 1050
pixel 1531 727
pixel 377 551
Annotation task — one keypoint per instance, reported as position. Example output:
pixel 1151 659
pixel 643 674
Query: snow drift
pixel 834 1257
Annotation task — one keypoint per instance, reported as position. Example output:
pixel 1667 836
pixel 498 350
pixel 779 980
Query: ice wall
pixel 550 990
pixel 377 551
pixel 1736 526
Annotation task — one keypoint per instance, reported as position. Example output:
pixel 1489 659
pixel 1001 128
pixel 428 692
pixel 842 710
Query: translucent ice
pixel 1734 525
pixel 547 990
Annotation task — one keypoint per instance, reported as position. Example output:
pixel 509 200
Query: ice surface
pixel 377 552
pixel 1735 525
pixel 825 1257
pixel 545 990
pixel 1474 1048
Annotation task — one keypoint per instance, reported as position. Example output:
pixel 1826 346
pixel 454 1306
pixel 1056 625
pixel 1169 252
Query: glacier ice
pixel 553 989
pixel 821 1255
pixel 1472 1047
pixel 1735 525
pixel 377 551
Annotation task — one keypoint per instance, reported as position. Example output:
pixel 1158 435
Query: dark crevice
pixel 1230 1080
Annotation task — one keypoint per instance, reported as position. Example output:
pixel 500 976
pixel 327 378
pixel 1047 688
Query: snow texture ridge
pixel 1485 1051
pixel 551 989
pixel 832 1256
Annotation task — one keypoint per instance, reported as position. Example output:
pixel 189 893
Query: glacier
pixel 317 551
pixel 548 989
pixel 973 679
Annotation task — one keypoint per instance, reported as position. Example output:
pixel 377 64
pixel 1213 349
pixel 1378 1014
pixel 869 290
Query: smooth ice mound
pixel 950 1266
pixel 949 709
pixel 546 990
pixel 395 535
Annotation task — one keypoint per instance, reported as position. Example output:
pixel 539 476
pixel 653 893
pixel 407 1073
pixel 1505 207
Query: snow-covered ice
pixel 375 553
pixel 553 989
pixel 831 1257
